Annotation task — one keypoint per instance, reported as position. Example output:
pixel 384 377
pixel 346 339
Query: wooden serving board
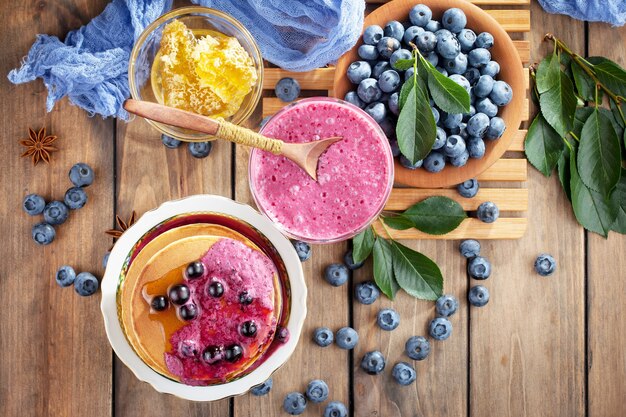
pixel 504 182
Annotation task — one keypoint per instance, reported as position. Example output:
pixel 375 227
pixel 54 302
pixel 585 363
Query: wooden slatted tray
pixel 504 182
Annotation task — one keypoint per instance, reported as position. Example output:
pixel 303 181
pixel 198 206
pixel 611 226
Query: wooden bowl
pixel 511 71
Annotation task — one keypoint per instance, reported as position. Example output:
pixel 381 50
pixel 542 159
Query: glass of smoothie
pixel 355 175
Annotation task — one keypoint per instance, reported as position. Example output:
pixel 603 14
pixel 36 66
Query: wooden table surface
pixel 542 347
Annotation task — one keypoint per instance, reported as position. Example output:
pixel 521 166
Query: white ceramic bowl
pixel 197 204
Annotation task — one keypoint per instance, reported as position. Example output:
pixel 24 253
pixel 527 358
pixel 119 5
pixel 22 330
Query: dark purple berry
pixel 188 312
pixel 216 289
pixel 213 354
pixel 248 329
pixel 179 294
pixel 159 303
pixel 233 353
pixel 245 298
pixel 282 334
pixel 194 270
pixel 189 348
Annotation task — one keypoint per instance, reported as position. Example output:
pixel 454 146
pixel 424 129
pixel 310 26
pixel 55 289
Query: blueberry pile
pixel 458 53
pixel 196 149
pixel 85 283
pixel 316 392
pixel 479 268
pixel 56 212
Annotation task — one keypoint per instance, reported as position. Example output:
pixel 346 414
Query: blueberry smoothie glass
pixel 355 175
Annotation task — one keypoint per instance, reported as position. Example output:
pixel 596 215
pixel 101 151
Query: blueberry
pixel 303 249
pixel 55 212
pixel 446 305
pixel 395 148
pixel 81 175
pixel 372 34
pixel 466 38
pixel 457 65
pixel 373 362
pixel 468 115
pixel 43 233
pixel 436 114
pixel 440 328
pixel 455 146
pixel 179 294
pixel 159 303
pixel 472 75
pixel 459 160
pixel 317 391
pixel 294 403
pixel 336 274
pixel 478 296
pixel 442 70
pixel 248 328
pixel 479 268
pixel 485 105
pixel 394 29
pixel 448 46
pixel 492 68
pixel 410 33
pixel 484 40
pixel 233 353
pixel 399 54
pixel 358 71
pixel 404 161
pixel 287 89
pixel 335 409
pixel 366 292
pixel 426 42
pixel 215 289
pixel 369 91
pixel 501 94
pixel 33 204
pixel 469 248
pixel 545 265
pixel 488 212
pixel 379 68
pixel 377 111
pixel 496 128
pixel 353 98
pixel 433 58
pixel 387 46
pixel 441 33
pixel 478 124
pixel 403 373
pixel 434 162
pixel 75 198
pixel 188 312
pixel 85 284
pixel 199 149
pixel 432 26
pixel 262 389
pixel 213 354
pixel 451 120
pixel 420 15
pixel 65 276
pixel 388 319
pixel 393 104
pixel 461 80
pixel 417 347
pixel 245 298
pixel 388 127
pixel 323 336
pixel 454 20
pixel 483 86
pixel 408 74
pixel 469 188
pixel 170 142
pixel 346 338
pixel 479 57
pixel 105 259
pixel 349 261
pixel 189 348
pixel 441 139
pixel 194 270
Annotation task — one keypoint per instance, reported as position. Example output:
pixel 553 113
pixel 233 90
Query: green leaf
pixel 619 129
pixel 619 197
pixel 563 170
pixel 616 112
pixel 548 73
pixel 558 105
pixel 416 274
pixel 436 215
pixel 580 117
pixel 404 93
pixel 543 146
pixel 362 245
pixel 599 161
pixel 398 222
pixel 591 209
pixel 416 129
pixel 448 95
pixel 383 268
pixel 610 74
pixel 584 84
pixel 566 61
pixel 404 64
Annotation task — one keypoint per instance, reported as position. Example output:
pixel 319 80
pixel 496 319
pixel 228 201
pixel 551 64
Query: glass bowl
pixel 256 154
pixel 200 20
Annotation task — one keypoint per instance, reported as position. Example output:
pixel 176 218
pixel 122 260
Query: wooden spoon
pixel 305 155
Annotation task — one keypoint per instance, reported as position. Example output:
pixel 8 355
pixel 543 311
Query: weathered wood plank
pixel 606 268
pixel 506 170
pixel 517 144
pixel 507 199
pixel 472 228
pixel 318 79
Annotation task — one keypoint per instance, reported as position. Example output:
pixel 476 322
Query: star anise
pixel 38 145
pixel 121 225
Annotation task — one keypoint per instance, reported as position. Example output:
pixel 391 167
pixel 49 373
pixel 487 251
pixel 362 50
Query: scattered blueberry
pixel 469 248
pixel 33 204
pixel 545 265
pixel 394 29
pixel 420 15
pixel 159 303
pixel 105 259
pixel 373 362
pixel 417 347
pixel 403 373
pixel 434 162
pixel 478 296
pixel 81 175
pixel 469 188
pixel 377 111
pixel 287 89
pixel 43 233
pixel 336 274
pixel 75 198
pixel 440 328
pixel 369 91
pixel 484 40
pixel 335 409
pixel 488 212
pixel 501 94
pixel 179 294
pixel 476 147
pixel 372 34
pixel 479 268
pixel 170 142
pixel 262 389
pixel 188 312
pixel 388 319
pixel 496 128
pixel 348 260
pixel 85 284
pixel 358 71
pixel 65 276
pixel 199 149
pixel 317 391
pixel 366 292
pixel 303 249
pixel 294 403
pixel 346 338
pixel 55 212
pixel 446 305
pixel 323 336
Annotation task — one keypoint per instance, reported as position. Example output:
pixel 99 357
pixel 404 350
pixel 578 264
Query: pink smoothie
pixel 355 175
pixel 239 269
